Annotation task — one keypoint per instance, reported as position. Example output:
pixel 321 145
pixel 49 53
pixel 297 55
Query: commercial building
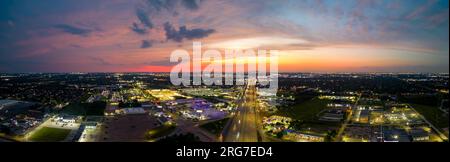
pixel 131 111
pixel 418 135
pixel 364 116
pixel 66 119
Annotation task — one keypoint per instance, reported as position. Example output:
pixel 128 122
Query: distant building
pixel 67 118
pixel 148 105
pixel 418 135
pixel 163 120
pixel 333 115
pixel 364 116
pixel 91 125
pixel 395 135
pixel 304 137
pixel 131 111
pixel 111 109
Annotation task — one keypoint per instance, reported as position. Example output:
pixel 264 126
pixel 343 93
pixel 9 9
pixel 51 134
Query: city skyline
pixel 138 36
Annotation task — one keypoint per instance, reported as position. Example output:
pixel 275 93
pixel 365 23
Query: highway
pixel 438 132
pixel 347 121
pixel 243 127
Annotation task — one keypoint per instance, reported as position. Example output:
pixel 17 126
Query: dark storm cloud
pixel 139 30
pixel 146 44
pixel 184 33
pixel 161 4
pixel 144 18
pixel 164 62
pixel 73 29
pixel 191 4
pixel 156 7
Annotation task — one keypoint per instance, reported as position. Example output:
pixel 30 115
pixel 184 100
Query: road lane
pixel 243 127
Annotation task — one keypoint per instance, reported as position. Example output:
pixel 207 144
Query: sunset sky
pixel 139 35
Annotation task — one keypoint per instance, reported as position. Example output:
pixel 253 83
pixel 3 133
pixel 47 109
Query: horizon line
pixel 304 72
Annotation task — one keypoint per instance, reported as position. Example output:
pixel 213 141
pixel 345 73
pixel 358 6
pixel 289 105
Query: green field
pixel 433 114
pixel 160 131
pixel 47 134
pixel 95 108
pixel 306 111
pixel 215 127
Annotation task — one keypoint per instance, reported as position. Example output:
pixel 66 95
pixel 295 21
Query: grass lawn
pixel 433 114
pixel 74 109
pixel 215 127
pixel 47 134
pixel 305 111
pixel 160 131
pixel 95 108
